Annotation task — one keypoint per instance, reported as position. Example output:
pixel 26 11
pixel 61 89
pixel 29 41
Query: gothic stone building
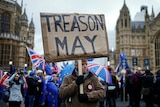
pixel 139 40
pixel 15 35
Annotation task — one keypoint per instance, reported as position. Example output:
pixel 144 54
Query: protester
pixel 57 83
pixel 157 88
pixel 102 101
pixel 112 89
pixel 15 97
pixel 123 91
pixel 147 88
pixel 52 93
pixel 70 88
pixel 137 86
pixel 32 89
pixel 129 86
pixel 56 80
pixel 41 94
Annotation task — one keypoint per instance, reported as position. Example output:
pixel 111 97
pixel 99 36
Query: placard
pixel 73 36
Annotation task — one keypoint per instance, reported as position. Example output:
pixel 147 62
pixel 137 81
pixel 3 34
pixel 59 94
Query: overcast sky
pixel 110 8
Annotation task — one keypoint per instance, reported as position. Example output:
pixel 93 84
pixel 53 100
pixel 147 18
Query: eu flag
pixel 48 69
pixel 52 93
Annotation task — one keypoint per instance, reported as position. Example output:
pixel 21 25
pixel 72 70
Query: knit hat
pixel 39 71
pixel 16 75
pixel 147 71
pixel 32 73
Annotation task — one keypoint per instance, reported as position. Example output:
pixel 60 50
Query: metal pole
pixel 80 73
pixel 123 87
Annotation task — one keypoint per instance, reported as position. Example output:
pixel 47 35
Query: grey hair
pixel 76 61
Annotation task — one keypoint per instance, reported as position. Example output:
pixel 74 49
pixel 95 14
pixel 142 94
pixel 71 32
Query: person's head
pixel 147 71
pixel 32 73
pixel 109 69
pixel 39 72
pixel 128 71
pixel 84 65
pixel 139 70
pixel 16 77
pixel 158 73
pixel 54 75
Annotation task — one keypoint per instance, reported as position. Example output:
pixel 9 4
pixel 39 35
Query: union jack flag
pixel 4 79
pixel 37 60
pixel 55 67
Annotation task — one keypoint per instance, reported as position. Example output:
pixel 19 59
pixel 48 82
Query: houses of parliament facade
pixel 139 40
pixel 16 32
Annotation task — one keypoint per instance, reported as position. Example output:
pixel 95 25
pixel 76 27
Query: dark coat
pixel 32 86
pixel 69 89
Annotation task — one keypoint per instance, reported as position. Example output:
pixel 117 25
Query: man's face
pixel 40 74
pixel 84 66
pixel 54 76
pixel 16 77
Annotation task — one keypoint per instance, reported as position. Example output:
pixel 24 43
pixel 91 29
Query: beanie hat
pixel 39 71
pixel 16 75
pixel 32 73
pixel 147 71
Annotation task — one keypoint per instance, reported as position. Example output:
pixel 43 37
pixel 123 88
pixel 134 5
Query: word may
pixel 76 44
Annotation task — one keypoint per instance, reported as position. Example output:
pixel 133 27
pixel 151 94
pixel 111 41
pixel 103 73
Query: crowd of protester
pixel 133 87
pixel 36 89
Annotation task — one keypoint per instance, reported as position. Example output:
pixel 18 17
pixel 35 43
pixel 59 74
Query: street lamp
pixel 10 62
pixel 25 65
pixel 108 63
pixel 25 68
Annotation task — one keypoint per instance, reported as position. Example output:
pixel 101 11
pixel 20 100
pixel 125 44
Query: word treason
pixel 81 23
pixel 75 44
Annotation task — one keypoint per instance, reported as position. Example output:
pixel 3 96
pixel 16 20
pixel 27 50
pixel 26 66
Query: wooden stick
pixel 80 73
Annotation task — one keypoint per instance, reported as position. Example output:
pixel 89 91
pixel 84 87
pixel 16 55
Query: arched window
pixel 121 23
pixel 5 22
pixel 157 50
pixel 125 23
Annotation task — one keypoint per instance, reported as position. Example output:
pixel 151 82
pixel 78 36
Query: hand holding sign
pixel 74 36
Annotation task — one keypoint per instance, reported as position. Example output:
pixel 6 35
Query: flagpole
pixel 80 73
pixel 124 94
pixel 117 68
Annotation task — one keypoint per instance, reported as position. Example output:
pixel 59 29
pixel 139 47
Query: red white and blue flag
pixel 37 60
pixel 4 79
pixel 101 71
pixel 55 68
pixel 4 86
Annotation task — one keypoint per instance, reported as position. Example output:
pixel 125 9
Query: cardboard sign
pixel 73 36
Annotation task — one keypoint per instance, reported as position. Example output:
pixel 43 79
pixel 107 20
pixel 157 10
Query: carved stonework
pixel 11 41
pixel 146 46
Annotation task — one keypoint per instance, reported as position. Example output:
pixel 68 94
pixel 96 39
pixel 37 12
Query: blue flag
pixel 12 69
pixel 52 95
pixel 3 89
pixel 123 62
pixel 43 92
pixel 48 69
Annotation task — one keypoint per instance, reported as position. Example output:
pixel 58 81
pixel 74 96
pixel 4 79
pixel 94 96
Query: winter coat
pixel 15 90
pixel 91 86
pixel 32 86
pixel 157 86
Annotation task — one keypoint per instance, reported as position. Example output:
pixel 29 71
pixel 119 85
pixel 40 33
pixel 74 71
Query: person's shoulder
pixel 70 76
pixel 92 75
